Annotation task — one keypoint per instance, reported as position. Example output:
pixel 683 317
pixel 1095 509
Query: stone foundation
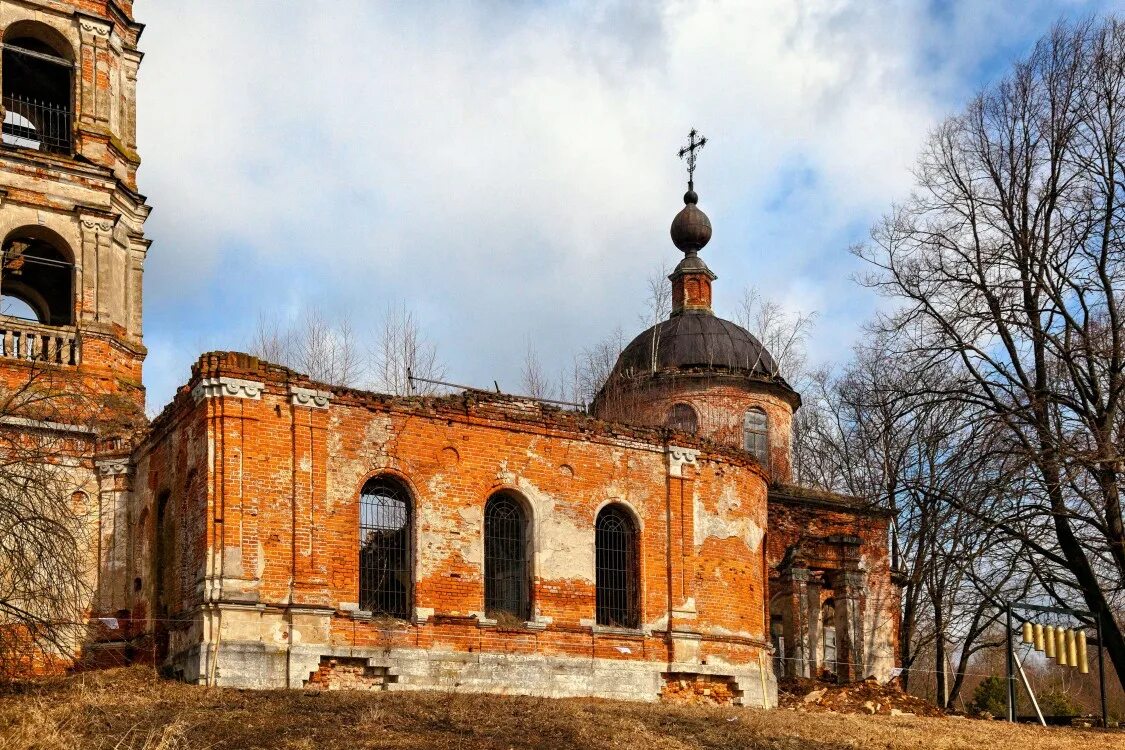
pixel 253 665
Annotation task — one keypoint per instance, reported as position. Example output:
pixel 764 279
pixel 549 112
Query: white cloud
pixel 509 169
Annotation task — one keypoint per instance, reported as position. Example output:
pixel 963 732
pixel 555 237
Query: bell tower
pixel 71 219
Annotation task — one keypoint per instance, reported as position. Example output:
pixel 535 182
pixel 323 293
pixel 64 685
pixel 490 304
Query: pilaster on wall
pixel 796 621
pixel 114 481
pixel 682 465
pixel 848 588
pixel 92 267
pixel 309 413
pixel 130 61
pixel 233 549
pixel 814 625
pixel 94 69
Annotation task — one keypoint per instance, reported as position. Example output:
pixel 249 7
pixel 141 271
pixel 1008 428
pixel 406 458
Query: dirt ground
pixel 132 709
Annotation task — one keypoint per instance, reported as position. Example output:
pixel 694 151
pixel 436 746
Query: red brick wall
pixel 720 403
pixel 282 492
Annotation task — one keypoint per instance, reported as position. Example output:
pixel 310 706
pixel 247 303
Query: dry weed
pixel 130 709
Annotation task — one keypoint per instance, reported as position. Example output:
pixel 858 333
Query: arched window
pixel 617 570
pixel 38 66
pixel 682 418
pixel 507 583
pixel 37 277
pixel 755 435
pixel 384 547
pixel 164 559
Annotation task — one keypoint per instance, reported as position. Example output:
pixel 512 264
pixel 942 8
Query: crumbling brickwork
pixel 264 470
pixel 720 403
pixel 821 545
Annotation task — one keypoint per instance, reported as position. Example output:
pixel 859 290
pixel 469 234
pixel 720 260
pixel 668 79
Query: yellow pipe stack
pixel 1060 647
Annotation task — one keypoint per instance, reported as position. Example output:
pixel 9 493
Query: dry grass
pixel 130 709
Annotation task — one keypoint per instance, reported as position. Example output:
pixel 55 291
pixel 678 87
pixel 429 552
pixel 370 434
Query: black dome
pixel 697 341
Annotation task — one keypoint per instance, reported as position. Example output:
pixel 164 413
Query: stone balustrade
pixel 20 339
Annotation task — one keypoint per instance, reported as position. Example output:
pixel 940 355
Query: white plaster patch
pixel 232 561
pixel 443 536
pixel 345 475
pixel 731 520
pixel 564 549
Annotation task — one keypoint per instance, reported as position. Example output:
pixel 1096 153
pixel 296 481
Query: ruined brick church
pixel 269 531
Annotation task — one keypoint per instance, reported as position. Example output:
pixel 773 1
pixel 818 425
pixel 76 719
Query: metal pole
pixel 1101 671
pixel 1030 692
pixel 1011 670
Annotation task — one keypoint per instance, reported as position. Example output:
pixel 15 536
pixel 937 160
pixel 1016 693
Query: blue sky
pixel 508 171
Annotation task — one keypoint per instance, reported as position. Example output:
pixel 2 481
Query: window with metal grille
pixel 755 435
pixel 384 547
pixel 618 575
pixel 507 585
pixel 682 418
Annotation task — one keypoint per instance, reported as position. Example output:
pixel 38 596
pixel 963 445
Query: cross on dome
pixel 689 151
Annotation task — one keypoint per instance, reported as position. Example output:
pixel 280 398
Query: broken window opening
pixel 755 435
pixel 384 548
pixel 617 578
pixel 37 88
pixel 507 585
pixel 682 418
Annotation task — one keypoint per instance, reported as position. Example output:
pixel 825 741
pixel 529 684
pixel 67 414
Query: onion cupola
pixel 696 372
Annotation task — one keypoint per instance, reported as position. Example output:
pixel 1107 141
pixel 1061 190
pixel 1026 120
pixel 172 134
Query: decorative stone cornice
pixel 93 25
pixel 96 220
pixel 228 387
pixel 678 458
pixel 309 397
pixel 111 467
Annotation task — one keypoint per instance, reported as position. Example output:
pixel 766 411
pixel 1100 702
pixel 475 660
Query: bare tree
pixel 270 340
pixel 594 365
pixel 402 351
pixel 1007 263
pixel 325 350
pixel 658 306
pixel 45 520
pixel 533 380
pixel 784 334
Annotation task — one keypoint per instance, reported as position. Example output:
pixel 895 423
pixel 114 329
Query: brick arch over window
pixel 386 518
pixel 37 277
pixel 755 435
pixel 38 85
pixel 617 564
pixel 507 543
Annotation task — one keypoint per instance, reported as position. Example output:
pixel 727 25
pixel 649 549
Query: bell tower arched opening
pixel 38 86
pixel 37 281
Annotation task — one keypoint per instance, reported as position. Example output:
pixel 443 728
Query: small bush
pixel 1058 703
pixel 991 696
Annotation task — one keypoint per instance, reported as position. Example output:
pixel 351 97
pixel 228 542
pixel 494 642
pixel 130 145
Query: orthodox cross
pixel 695 142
